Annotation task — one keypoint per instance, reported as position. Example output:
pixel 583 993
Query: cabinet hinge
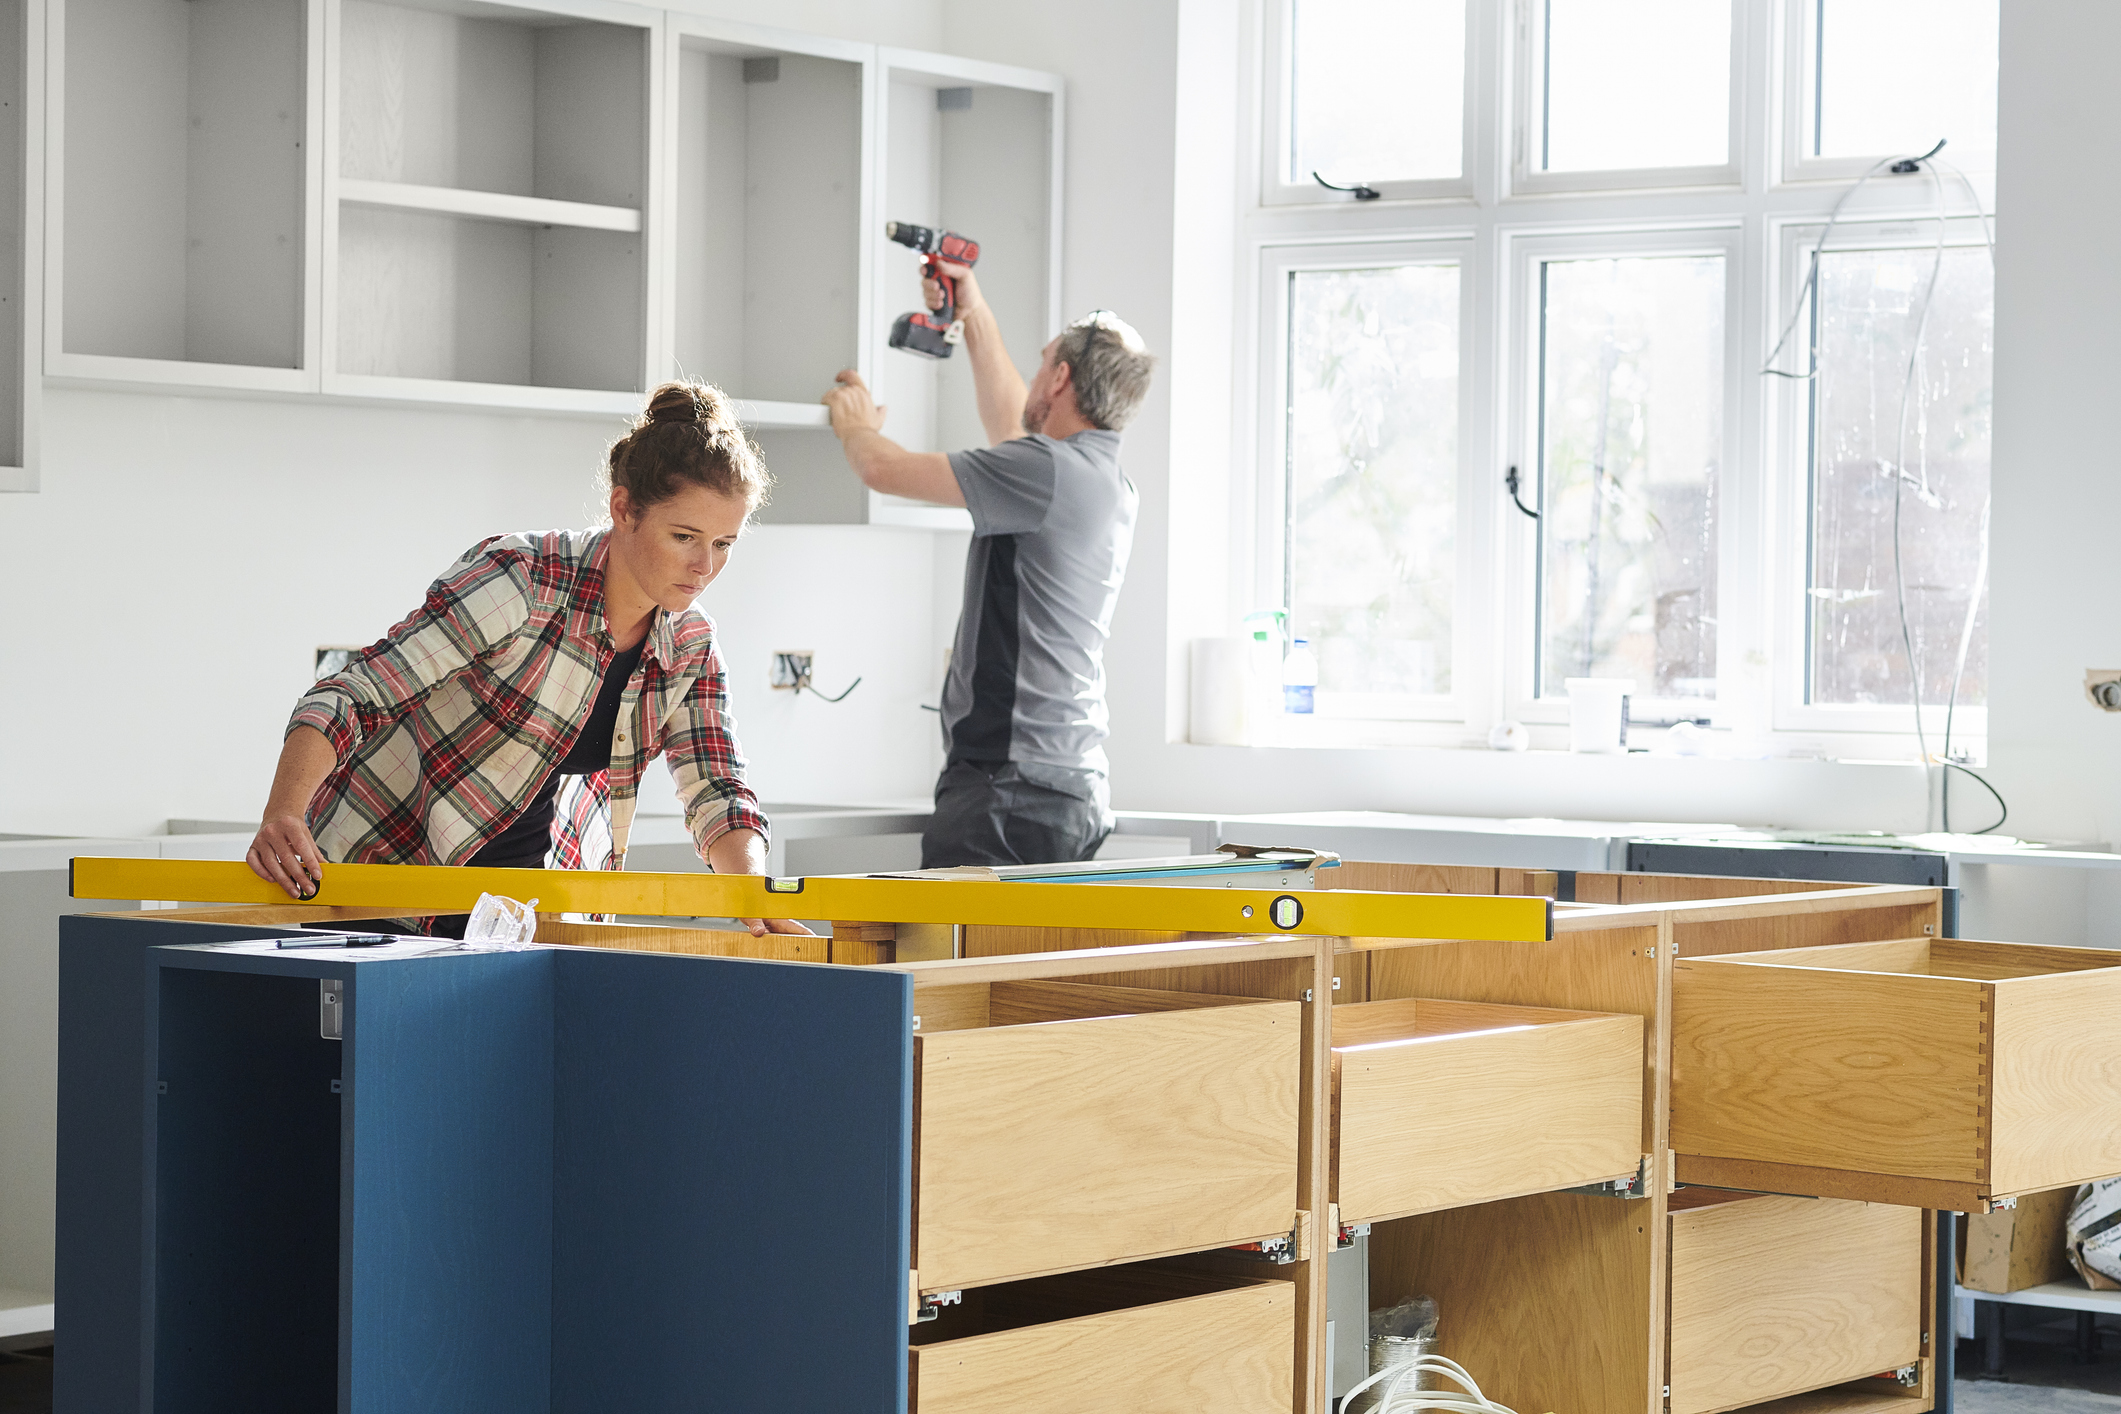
pixel 1907 1376
pixel 1279 1250
pixel 932 1304
pixel 1636 1185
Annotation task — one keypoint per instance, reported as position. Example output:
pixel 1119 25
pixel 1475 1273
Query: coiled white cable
pixel 1401 1398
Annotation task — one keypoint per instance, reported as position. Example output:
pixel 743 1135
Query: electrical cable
pixel 1809 292
pixel 1400 1399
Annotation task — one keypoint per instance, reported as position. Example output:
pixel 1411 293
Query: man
pixel 1024 718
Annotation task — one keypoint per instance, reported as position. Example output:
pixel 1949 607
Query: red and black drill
pixel 932 332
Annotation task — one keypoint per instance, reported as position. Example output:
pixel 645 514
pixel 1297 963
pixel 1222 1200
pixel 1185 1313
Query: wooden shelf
pixel 489 205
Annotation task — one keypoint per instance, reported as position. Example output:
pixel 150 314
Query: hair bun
pixel 690 404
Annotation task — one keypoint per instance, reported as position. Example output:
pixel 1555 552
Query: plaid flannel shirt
pixel 446 727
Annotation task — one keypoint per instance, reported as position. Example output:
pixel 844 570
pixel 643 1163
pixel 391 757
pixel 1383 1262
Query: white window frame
pixel 1528 177
pixel 1795 240
pixel 1277 264
pixel 1278 91
pixel 1799 83
pixel 1764 481
pixel 1528 251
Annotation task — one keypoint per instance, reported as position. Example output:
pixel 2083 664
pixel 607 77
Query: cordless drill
pixel 932 332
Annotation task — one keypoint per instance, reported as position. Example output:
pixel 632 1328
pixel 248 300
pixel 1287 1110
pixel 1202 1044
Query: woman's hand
pixel 743 852
pixel 285 854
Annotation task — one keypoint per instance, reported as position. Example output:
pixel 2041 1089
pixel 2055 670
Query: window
pixel 1515 421
pixel 1882 77
pixel 1879 594
pixel 1629 84
pixel 1368 94
pixel 1378 92
pixel 1371 480
pixel 1630 438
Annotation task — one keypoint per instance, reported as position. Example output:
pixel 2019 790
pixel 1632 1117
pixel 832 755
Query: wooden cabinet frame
pixel 1554 1299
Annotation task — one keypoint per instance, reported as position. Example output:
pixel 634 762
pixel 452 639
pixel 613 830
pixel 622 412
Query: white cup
pixel 1598 714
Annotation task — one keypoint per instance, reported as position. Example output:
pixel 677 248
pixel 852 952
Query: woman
pixel 506 722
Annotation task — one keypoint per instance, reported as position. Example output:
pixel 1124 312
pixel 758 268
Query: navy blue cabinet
pixel 540 1182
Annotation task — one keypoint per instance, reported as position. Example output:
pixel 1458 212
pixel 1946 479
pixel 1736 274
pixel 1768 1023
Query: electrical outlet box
pixel 791 669
pixel 2103 687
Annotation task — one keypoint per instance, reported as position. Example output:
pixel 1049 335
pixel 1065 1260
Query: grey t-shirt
pixel 1052 524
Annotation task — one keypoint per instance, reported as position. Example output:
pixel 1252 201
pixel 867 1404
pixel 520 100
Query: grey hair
pixel 1109 366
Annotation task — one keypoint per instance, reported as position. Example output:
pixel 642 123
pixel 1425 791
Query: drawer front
pixel 1776 1296
pixel 1074 1144
pixel 1452 1120
pixel 1938 1073
pixel 1233 1352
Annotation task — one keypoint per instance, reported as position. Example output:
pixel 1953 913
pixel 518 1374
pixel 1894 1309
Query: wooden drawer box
pixel 1063 1126
pixel 1111 1342
pixel 1437 1104
pixel 1937 1073
pixel 1776 1296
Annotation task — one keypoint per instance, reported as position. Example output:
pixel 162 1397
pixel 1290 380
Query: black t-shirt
pixel 528 838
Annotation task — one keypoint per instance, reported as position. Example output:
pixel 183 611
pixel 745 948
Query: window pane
pixel 1869 303
pixel 1378 89
pixel 1637 83
pixel 1631 431
pixel 1373 475
pixel 1895 75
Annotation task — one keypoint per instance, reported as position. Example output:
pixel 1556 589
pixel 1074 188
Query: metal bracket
pixel 932 1304
pixel 1999 1205
pixel 1636 1186
pixel 1279 1250
pixel 330 1009
pixel 1907 1376
pixel 1344 1234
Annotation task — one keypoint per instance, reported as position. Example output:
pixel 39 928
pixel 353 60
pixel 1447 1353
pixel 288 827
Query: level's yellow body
pixel 439 889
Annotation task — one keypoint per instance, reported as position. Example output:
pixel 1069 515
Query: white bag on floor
pixel 2093 1234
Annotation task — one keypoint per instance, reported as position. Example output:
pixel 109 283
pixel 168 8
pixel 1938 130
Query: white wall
pixel 2058 366
pixel 244 507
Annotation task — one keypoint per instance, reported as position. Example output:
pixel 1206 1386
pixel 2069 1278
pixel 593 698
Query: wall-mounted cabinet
pixel 772 216
pixel 548 205
pixel 183 153
pixel 973 148
pixel 21 196
pixel 487 239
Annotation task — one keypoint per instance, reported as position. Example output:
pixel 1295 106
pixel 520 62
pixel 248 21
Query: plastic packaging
pixel 1399 1335
pixel 502 923
pixel 1299 678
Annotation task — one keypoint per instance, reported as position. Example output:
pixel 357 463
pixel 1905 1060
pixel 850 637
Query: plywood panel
pixel 1047 1148
pixel 2057 1081
pixel 1546 1299
pixel 700 942
pixel 1411 878
pixel 994 940
pixel 1794 925
pixel 1229 1351
pixel 1776 1296
pixel 1612 970
pixel 1520 1107
pixel 1841 1070
pixel 1025 1003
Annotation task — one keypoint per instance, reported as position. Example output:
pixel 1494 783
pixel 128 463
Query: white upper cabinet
pixel 181 241
pixel 21 187
pixel 771 217
pixel 487 198
pixel 550 205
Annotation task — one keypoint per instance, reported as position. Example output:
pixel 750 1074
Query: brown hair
pixel 688 435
